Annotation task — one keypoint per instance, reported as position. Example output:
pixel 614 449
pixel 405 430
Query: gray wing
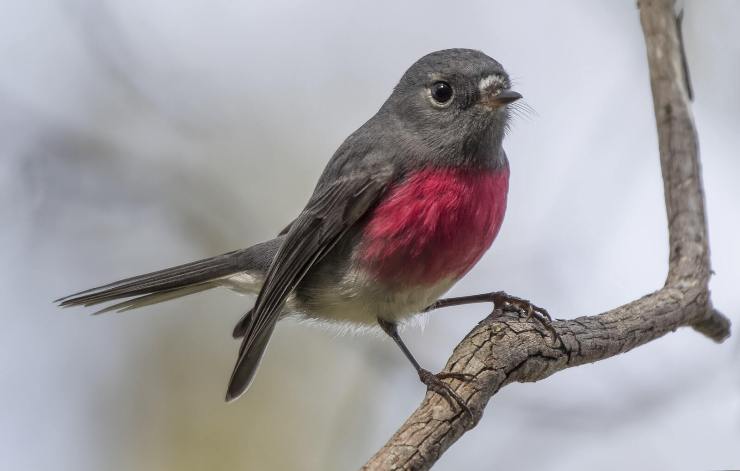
pixel 326 218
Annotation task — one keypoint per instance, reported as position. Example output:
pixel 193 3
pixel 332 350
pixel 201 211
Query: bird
pixel 405 207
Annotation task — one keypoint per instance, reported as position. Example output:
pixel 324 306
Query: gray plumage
pixel 170 283
pixel 309 269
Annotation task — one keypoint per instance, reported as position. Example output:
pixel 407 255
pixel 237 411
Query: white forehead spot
pixel 491 80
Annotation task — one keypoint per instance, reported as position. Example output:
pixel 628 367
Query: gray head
pixel 453 103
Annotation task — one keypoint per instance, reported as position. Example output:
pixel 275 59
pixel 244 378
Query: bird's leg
pixel 502 301
pixel 432 381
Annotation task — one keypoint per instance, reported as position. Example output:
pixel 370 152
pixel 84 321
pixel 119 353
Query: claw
pixel 504 301
pixel 459 376
pixel 434 383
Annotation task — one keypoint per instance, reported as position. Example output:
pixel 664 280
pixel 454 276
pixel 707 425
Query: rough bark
pixel 503 348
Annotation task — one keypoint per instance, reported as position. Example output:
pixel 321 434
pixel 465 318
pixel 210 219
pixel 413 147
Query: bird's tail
pixel 182 280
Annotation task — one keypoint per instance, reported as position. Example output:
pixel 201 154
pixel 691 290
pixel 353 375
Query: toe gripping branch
pixel 433 382
pixel 501 301
pixel 504 302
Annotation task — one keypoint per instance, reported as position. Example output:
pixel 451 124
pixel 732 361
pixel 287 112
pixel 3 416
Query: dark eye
pixel 441 92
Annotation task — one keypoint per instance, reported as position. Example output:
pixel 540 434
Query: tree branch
pixel 503 349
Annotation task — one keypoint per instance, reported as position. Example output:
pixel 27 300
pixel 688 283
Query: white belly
pixel 360 300
pixel 355 300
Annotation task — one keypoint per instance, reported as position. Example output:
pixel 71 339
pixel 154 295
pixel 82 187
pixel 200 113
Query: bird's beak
pixel 495 100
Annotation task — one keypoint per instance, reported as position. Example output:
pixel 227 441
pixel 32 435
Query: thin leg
pixel 503 301
pixel 432 381
pixel 459 301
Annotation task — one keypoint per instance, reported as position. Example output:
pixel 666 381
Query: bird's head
pixel 454 102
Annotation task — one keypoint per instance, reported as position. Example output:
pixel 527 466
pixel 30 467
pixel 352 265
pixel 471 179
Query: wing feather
pixel 327 217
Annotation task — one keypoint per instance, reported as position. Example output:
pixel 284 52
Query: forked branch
pixel 503 349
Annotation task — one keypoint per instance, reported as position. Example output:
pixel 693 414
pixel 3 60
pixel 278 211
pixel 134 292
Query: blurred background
pixel 142 134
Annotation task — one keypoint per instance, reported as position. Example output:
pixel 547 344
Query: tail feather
pixel 154 298
pixel 177 281
pixel 158 281
pixel 238 270
pixel 167 279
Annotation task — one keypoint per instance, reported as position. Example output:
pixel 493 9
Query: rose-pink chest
pixel 434 225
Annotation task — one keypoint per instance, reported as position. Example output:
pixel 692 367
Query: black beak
pixel 506 97
pixel 500 99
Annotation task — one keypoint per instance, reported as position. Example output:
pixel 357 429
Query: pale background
pixel 141 134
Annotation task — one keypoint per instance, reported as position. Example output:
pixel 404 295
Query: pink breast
pixel 434 225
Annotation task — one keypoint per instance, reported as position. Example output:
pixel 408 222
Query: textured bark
pixel 503 348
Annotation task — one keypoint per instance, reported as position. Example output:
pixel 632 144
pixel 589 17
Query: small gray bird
pixel 405 207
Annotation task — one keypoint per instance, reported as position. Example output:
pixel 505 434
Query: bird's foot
pixel 509 303
pixel 434 383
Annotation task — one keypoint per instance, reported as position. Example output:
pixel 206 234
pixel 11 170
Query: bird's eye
pixel 441 92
